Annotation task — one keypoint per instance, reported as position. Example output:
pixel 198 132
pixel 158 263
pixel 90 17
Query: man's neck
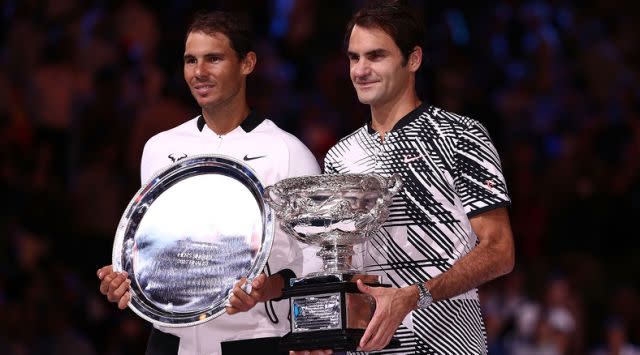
pixel 224 119
pixel 385 116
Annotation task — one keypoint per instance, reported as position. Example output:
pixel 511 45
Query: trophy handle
pixel 394 184
pixel 273 198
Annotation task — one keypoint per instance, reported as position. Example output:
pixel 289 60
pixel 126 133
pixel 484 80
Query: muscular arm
pixel 492 257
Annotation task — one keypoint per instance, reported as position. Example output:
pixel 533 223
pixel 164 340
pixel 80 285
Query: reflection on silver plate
pixel 188 235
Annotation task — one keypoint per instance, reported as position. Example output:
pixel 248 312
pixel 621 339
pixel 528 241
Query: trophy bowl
pixel 336 213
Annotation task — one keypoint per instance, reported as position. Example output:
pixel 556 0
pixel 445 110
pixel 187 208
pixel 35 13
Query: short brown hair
pixel 394 18
pixel 235 26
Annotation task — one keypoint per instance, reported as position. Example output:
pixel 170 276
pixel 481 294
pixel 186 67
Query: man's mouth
pixel 365 84
pixel 203 89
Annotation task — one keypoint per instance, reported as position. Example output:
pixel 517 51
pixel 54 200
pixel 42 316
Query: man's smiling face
pixel 378 69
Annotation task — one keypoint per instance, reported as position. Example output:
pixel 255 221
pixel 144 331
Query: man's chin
pixel 366 100
pixel 204 103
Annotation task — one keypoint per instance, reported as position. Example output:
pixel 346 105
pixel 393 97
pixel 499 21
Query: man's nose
pixel 199 69
pixel 361 68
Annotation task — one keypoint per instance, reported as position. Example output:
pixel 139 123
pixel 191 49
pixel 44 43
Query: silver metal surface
pixel 316 312
pixel 335 212
pixel 188 235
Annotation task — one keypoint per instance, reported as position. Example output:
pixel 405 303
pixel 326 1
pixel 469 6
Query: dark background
pixel 83 84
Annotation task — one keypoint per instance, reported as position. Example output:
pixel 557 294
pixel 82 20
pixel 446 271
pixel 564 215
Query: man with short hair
pixel 217 59
pixel 448 231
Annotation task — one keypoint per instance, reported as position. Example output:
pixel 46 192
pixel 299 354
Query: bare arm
pixel 492 257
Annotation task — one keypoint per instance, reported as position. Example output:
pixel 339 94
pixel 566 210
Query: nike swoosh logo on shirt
pixel 247 157
pixel 407 159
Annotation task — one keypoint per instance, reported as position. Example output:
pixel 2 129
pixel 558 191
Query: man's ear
pixel 415 59
pixel 249 63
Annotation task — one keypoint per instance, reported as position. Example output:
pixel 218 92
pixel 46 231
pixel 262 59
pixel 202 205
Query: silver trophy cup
pixel 337 213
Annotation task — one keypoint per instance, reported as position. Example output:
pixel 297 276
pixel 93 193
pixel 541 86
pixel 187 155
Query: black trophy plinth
pixel 328 312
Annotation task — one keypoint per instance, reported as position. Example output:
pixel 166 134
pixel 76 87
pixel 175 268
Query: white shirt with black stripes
pixel 450 172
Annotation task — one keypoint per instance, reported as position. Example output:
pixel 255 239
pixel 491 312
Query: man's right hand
pixel 114 285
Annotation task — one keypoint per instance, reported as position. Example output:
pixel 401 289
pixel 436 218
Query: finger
pixel 103 271
pixel 240 282
pixel 370 332
pixel 384 339
pixel 106 281
pixel 124 300
pixel 364 288
pixel 381 338
pixel 104 284
pixel 388 340
pixel 259 281
pixel 117 288
pixel 240 296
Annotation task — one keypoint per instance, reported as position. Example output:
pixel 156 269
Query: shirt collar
pixel 404 121
pixel 250 122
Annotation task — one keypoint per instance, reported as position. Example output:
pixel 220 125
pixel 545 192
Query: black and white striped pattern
pixel 451 172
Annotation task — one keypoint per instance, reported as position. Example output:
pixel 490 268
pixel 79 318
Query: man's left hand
pixel 392 306
pixel 263 288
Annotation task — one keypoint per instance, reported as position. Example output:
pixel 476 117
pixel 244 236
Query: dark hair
pixel 393 17
pixel 235 26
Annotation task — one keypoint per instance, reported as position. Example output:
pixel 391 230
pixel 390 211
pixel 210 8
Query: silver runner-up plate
pixel 188 235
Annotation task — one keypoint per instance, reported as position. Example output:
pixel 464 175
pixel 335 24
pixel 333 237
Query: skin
pixel 216 77
pixel 380 78
pixel 388 87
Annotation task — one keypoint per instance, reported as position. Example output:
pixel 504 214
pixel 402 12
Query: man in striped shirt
pixel 448 231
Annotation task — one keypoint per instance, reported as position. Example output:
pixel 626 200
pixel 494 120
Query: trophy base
pixel 337 340
pixel 327 313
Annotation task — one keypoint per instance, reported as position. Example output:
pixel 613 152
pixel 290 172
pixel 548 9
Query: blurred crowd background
pixel 83 84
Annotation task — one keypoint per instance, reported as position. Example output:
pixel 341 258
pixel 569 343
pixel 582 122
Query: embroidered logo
pixel 176 156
